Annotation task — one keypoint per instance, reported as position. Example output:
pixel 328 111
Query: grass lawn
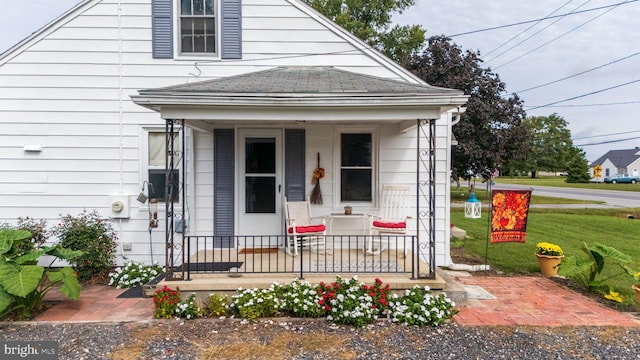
pixel 559 181
pixel 461 195
pixel 568 228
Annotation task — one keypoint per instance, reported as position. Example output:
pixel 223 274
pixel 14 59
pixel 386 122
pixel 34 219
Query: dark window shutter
pixel 162 29
pixel 231 29
pixel 294 149
pixel 224 189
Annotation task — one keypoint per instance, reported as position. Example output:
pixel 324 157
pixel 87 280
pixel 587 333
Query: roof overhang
pixel 330 96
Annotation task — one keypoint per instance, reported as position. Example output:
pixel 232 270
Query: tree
pixel 551 145
pixel 370 20
pixel 491 133
pixel 577 166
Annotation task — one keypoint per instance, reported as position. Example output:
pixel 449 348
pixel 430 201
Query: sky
pixel 603 45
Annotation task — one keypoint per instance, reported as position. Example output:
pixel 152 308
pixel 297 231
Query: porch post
pixel 425 192
pixel 170 182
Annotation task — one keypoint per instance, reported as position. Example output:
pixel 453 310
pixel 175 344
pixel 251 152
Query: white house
pixel 623 161
pixel 86 103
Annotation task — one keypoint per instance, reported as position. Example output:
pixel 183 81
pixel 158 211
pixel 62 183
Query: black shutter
pixel 231 29
pixel 162 29
pixel 294 155
pixel 224 186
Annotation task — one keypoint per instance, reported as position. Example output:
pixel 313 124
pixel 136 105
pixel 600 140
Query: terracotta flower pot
pixel 637 289
pixel 549 264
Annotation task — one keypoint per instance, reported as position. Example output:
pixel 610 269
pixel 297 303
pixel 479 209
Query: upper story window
pixel 356 167
pixel 197 27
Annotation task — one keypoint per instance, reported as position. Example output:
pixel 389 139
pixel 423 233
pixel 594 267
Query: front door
pixel 260 203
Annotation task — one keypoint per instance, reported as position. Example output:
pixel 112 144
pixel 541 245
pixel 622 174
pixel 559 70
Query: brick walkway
pixel 535 301
pixel 526 300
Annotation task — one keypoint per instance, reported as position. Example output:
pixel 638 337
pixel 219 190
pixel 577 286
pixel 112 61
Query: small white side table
pixel 362 217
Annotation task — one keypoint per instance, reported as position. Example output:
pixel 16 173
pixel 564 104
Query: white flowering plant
pixel 419 306
pixel 353 303
pixel 254 303
pixel 133 274
pixel 302 299
pixel 189 309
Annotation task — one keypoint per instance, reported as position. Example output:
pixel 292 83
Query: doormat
pixel 258 250
pixel 353 266
pixel 477 292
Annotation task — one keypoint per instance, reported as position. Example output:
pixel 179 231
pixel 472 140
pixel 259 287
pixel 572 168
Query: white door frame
pixel 259 223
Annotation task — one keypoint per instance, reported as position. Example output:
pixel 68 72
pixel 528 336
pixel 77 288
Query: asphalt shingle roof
pixel 304 80
pixel 619 158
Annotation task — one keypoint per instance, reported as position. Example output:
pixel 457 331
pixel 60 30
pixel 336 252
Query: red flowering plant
pixel 166 301
pixel 353 303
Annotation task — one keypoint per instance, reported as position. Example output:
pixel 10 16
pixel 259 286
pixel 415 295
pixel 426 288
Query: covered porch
pixel 304 110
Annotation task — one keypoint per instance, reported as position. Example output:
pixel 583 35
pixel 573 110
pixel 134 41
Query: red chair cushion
pixel 308 229
pixel 390 225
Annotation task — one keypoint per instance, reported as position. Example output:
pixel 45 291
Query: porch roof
pixel 272 95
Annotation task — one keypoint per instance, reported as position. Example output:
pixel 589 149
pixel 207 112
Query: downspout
pixel 120 119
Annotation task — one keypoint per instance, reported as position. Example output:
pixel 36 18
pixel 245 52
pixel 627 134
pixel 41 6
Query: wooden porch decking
pixel 260 270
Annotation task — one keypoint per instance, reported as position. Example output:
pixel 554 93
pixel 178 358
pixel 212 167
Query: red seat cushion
pixel 390 225
pixel 308 229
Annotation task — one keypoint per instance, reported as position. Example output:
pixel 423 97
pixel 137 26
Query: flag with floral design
pixel 509 212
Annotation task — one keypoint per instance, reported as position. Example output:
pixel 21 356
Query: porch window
pixel 356 170
pixel 156 166
pixel 197 27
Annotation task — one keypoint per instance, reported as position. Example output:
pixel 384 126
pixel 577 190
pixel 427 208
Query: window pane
pixel 356 149
pixel 198 7
pixel 260 156
pixel 185 7
pixel 260 194
pixel 158 180
pixel 157 148
pixel 208 7
pixel 355 185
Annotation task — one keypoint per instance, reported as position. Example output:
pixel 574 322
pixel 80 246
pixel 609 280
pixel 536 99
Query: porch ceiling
pixel 293 94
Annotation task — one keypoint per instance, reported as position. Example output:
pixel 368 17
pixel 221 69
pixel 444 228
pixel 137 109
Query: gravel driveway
pixel 286 338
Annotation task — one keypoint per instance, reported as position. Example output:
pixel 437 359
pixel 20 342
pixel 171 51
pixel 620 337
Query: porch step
pixel 222 284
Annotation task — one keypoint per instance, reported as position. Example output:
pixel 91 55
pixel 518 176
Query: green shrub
pixel 92 235
pixel 216 306
pixel 24 283
pixel 37 229
pixel 302 299
pixel 419 307
pixel 133 274
pixel 255 303
pixel 189 309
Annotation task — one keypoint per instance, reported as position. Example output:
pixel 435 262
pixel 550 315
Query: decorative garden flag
pixel 509 211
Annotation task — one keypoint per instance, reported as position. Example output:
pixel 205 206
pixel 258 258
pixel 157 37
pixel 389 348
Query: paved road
pixel 610 197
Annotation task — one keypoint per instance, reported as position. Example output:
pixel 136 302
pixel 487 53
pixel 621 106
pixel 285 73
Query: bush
pixel 133 274
pixel 38 230
pixel 255 303
pixel 166 301
pixel 92 235
pixel 419 307
pixel 352 303
pixel 302 299
pixel 216 306
pixel 189 309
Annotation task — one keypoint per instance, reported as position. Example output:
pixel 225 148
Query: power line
pixel 584 95
pixel 578 74
pixel 590 105
pixel 595 136
pixel 530 21
pixel 525 30
pixel 554 39
pixel 610 141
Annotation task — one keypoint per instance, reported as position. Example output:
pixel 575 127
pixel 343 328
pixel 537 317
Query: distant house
pixel 618 162
pixel 218 113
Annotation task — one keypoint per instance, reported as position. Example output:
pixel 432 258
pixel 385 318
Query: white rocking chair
pixel 393 218
pixel 302 230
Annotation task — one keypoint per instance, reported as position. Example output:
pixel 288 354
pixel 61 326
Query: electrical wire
pixel 527 29
pixel 554 39
pixel 583 95
pixel 595 136
pixel 530 21
pixel 609 141
pixel 591 105
pixel 536 33
pixel 577 74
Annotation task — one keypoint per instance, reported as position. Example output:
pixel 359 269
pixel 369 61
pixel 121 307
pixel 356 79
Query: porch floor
pixel 260 270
